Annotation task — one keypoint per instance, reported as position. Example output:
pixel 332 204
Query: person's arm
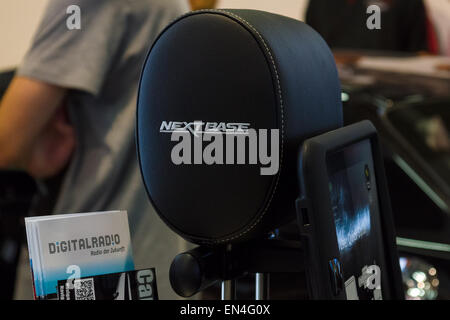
pixel 202 4
pixel 34 134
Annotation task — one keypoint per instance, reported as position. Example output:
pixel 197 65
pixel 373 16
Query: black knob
pixel 194 271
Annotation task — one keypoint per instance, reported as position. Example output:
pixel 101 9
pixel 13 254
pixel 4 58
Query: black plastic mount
pixel 197 269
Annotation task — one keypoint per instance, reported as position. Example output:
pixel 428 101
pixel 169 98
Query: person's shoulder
pixel 86 5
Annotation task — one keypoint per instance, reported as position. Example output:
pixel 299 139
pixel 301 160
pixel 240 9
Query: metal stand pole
pixel 261 286
pixel 228 290
pixel 228 286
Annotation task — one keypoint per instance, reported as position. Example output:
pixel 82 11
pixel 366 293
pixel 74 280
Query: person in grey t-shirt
pixel 72 106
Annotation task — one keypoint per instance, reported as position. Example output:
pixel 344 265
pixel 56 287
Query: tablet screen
pixel 354 201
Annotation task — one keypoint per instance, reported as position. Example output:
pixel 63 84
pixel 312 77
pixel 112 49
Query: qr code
pixel 84 289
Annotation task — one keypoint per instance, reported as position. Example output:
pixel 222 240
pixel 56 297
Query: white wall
pixel 18 21
pixel 292 8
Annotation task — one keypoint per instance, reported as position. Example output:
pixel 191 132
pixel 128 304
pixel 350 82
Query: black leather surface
pixel 232 66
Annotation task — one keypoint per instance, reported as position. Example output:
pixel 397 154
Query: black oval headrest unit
pixel 224 68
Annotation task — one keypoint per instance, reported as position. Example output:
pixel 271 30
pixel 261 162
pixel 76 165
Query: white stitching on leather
pixel 242 20
pixel 282 122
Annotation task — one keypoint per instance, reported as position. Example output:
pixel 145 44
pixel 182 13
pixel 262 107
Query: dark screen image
pixel 355 209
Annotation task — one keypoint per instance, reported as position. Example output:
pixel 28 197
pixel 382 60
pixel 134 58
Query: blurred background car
pixel 410 108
